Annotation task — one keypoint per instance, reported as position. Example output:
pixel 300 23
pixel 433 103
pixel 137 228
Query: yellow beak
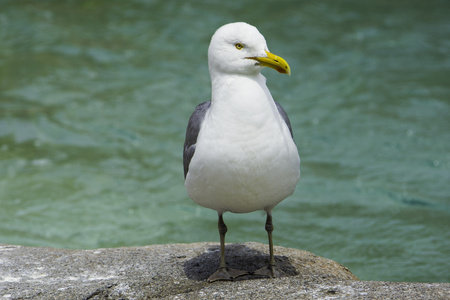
pixel 274 62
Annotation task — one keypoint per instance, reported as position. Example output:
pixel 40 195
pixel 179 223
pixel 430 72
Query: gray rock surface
pixel 179 271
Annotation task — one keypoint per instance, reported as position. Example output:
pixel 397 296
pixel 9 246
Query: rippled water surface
pixel 95 97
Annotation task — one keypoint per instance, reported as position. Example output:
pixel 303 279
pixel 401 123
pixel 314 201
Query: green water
pixel 95 97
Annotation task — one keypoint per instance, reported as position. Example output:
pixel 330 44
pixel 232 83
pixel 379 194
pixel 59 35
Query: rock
pixel 180 271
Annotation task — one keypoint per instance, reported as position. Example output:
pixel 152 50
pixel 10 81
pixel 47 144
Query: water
pixel 95 97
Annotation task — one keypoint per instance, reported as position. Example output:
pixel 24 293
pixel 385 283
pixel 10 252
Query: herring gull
pixel 239 153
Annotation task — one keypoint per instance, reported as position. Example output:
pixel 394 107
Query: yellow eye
pixel 239 46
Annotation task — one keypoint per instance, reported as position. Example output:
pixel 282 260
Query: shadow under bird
pixel 239 153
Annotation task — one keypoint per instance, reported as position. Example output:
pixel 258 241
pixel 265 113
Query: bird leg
pixel 223 272
pixel 271 270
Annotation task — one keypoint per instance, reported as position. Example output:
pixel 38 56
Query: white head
pixel 239 48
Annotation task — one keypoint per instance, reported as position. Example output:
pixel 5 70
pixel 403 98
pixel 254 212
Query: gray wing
pixel 192 130
pixel 285 117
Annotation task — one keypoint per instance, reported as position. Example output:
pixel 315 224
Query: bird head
pixel 239 48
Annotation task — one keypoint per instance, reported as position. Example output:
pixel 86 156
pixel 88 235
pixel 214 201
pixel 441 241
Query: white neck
pixel 243 100
pixel 240 90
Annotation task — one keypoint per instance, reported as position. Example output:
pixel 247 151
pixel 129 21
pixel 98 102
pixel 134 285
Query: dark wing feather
pixel 285 117
pixel 192 130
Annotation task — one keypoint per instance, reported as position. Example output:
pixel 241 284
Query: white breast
pixel 245 158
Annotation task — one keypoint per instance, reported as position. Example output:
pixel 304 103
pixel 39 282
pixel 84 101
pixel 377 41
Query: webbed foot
pixel 225 273
pixel 270 271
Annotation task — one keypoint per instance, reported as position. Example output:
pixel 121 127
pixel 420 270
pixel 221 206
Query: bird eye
pixel 239 46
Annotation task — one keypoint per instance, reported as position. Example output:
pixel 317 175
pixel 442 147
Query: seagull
pixel 239 154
